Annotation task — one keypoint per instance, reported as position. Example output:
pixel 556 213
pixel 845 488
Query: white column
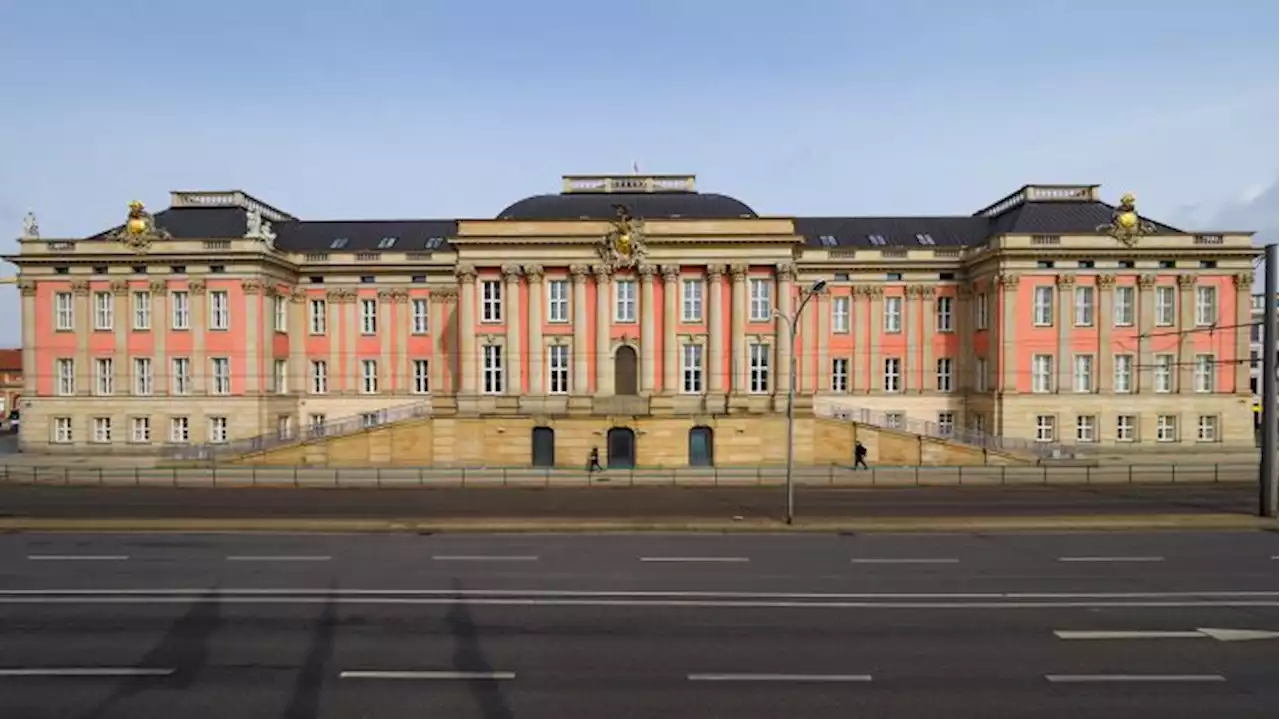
pixel 962 320
pixel 715 328
pixel 1146 323
pixel 875 367
pixel 537 379
pixel 785 272
pixel 670 352
pixel 253 338
pixel 333 328
pixel 29 338
pixel 738 327
pixel 817 379
pixel 928 328
pixel 388 383
pixel 441 362
pixel 196 292
pixel 402 323
pixel 648 314
pixel 511 298
pixel 351 341
pixel 84 327
pixel 1106 289
pixel 122 322
pixel 1066 303
pixel 1007 341
pixel 467 358
pixel 581 380
pixel 299 328
pixel 604 324
pixel 1186 322
pixel 1243 317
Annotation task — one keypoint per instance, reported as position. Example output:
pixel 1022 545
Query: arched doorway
pixel 622 448
pixel 702 447
pixel 624 370
pixel 544 447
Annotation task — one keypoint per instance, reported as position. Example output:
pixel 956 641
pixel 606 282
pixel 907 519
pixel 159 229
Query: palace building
pixel 637 314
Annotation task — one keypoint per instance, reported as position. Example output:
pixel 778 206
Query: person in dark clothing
pixel 593 461
pixel 860 456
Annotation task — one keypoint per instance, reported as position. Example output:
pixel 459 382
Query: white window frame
pixel 319 377
pixel 218 429
pixel 141 310
pixel 104 376
pixel 893 314
pixel 1166 428
pixel 761 299
pixel 180 375
pixel 1084 306
pixel 422 376
pixel 104 312
pixel 1207 428
pixel 980 369
pixel 625 301
pixel 280 376
pixel 368 316
pixel 892 381
pixel 1046 428
pixel 759 368
pixel 1082 366
pixel 840 313
pixel 1086 428
pixel 945 315
pixel 419 316
pixel 143 377
pixel 140 430
pixel 1042 306
pixel 220 375
pixel 1165 296
pixel 280 306
pixel 317 316
pixel 981 312
pixel 64 311
pixel 1042 373
pixel 65 372
pixel 219 310
pixel 490 301
pixel 1162 374
pixel 946 423
pixel 691 363
pixel 63 430
pixel 1122 379
pixel 945 374
pixel 839 374
pixel 557 300
pixel 1127 428
pixel 1125 298
pixel 179 430
pixel 558 364
pixel 100 430
pixel 1205 373
pixel 1206 305
pixel 180 310
pixel 691 300
pixel 368 376
pixel 492 369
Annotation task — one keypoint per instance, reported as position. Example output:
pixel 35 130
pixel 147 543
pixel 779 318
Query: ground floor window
pixel 62 430
pixel 1085 428
pixel 1126 428
pixel 1166 428
pixel 1045 428
pixel 1207 428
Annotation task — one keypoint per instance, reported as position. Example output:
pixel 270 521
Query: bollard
pixel 916 473
pixel 504 476
pixel 960 475
pixel 1215 472
pixel 1131 474
pixel 215 475
pixel 464 476
pixel 1088 474
pixel 1173 473
pixel 295 475
pixel 1004 474
pixel 66 475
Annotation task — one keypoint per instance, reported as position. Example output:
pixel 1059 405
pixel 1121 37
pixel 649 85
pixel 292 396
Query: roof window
pixel 925 238
pixel 386 242
pixel 433 243
pixel 827 240
pixel 877 240
pixel 338 243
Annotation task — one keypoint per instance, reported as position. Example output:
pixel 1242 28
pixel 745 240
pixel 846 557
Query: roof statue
pixel 259 229
pixel 30 228
pixel 1126 225
pixel 139 229
pixel 623 247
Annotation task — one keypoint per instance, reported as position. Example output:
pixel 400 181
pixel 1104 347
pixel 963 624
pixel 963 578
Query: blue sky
pixel 335 109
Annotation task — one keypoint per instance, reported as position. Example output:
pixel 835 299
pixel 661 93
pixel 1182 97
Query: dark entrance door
pixel 622 448
pixel 544 447
pixel 624 370
pixel 702 451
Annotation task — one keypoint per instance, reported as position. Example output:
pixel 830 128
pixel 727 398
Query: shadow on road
pixel 469 657
pixel 305 700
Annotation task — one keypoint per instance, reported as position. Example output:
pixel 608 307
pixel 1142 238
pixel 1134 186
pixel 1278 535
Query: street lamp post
pixel 792 321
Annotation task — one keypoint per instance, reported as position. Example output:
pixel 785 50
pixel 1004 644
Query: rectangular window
pixel 691 368
pixel 1046 428
pixel 319 377
pixel 370 419
pixel 101 429
pixel 104 381
pixel 181 375
pixel 64 312
pixel 980 374
pixel 895 420
pixel 761 304
pixel 280 376
pixel 142 310
pixel 368 316
pixel 944 314
pixel 490 301
pixel 180 312
pixel 1086 428
pixel 421 376
pixel 62 430
pixel 946 424
pixel 1164 305
pixel 840 374
pixel 981 312
pixel 558 369
pixel 217 429
pixel 557 300
pixel 1083 373
pixel 1084 306
pixel 179 430
pixel 1042 373
pixel 219 310
pixel 220 368
pixel 1126 428
pixel 758 367
pixel 492 369
pixel 1162 374
pixel 944 374
pixel 316 423
pixel 103 310
pixel 1207 428
pixel 369 376
pixel 840 314
pixel 142 376
pixel 691 300
pixel 1205 366
pixel 419 313
pixel 280 305
pixel 893 314
pixel 892 374
pixel 65 369
pixel 624 295
pixel 1043 307
pixel 1166 428
pixel 317 317
pixel 140 429
pixel 1206 306
pixel 1124 306
pixel 1123 382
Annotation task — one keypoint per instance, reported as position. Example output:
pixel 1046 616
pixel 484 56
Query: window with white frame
pixel 624 305
pixel 1123 380
pixel 895 420
pixel 1162 373
pixel 316 422
pixel 280 376
pixel 1084 306
pixel 892 374
pixel 104 380
pixel 761 303
pixel 943 307
pixel 1126 428
pixel 1042 373
pixel 1042 306
pixel 1205 366
pixel 1124 306
pixel 65 370
pixel 946 424
pixel 1086 428
pixel 557 300
pixel 1164 305
pixel 181 375
pixel 691 300
pixel 981 311
pixel 369 376
pixel 371 419
pixel 64 312
pixel 319 377
pixel 421 376
pixel 840 374
pixel 317 317
pixel 219 310
pixel 840 314
pixel 62 433
pixel 280 307
pixel 368 316
pixel 220 370
pixel 1207 428
pixel 217 429
pixel 142 310
pixel 180 310
pixel 284 426
pixel 419 312
pixel 1166 428
pixel 142 376
pixel 103 310
pixel 101 429
pixel 1046 428
pixel 691 368
pixel 490 301
pixel 1083 372
pixel 558 369
pixel 1206 306
pixel 980 374
pixel 893 314
pixel 140 429
pixel 944 374
pixel 491 369
pixel 978 422
pixel 179 430
pixel 758 367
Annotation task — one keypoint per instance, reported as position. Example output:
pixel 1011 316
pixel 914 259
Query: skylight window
pixel 827 240
pixel 433 243
pixel 877 240
pixel 925 239
pixel 386 242
pixel 338 243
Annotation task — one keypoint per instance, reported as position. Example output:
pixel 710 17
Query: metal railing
pixel 332 428
pixel 1000 443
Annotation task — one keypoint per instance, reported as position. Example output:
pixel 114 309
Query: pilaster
pixel 468 359
pixel 785 273
pixel 388 379
pixel 875 364
pixel 84 327
pixel 122 367
pixel 648 314
pixel 1186 322
pixel 300 380
pixel 1106 366
pixel 1007 342
pixel 197 293
pixel 670 353
pixel 1243 282
pixel 738 327
pixel 252 366
pixel 29 338
pixel 581 380
pixel 715 328
pixel 511 274
pixel 1065 320
pixel 536 353
pixel 1146 323
pixel 604 324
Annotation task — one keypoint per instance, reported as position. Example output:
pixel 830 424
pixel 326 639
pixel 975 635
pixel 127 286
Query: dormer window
pixel 925 239
pixel 827 240
pixel 877 240
pixel 386 242
pixel 433 243
pixel 338 243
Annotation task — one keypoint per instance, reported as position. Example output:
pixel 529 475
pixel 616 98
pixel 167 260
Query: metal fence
pixel 1000 443
pixel 830 476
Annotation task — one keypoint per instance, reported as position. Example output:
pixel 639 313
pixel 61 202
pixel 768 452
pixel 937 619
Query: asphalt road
pixel 628 626
pixel 620 502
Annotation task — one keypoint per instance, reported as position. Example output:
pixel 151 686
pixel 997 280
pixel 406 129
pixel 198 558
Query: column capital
pixel 601 273
pixel 120 288
pixel 1243 281
pixel 1007 282
pixel 298 295
pixel 1106 281
pixel 964 292
pixel 251 287
pixel 868 290
pixel 196 287
pixel 646 272
pixel 341 296
pixel 1186 282
pixel 28 288
pixel 579 272
pixel 534 273
pixel 715 271
pixel 1065 282
pixel 921 291
pixel 670 274
pixel 443 295
pixel 466 273
pixel 1146 282
pixel 511 272
pixel 739 271
pixel 785 270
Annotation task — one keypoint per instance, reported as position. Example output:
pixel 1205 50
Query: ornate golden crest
pixel 623 246
pixel 1126 225
pixel 139 229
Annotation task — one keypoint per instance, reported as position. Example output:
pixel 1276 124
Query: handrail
pixel 973 437
pixel 332 428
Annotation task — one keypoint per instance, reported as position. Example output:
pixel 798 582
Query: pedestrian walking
pixel 593 461
pixel 860 456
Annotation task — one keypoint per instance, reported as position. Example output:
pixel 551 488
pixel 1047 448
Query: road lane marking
pixel 1087 678
pixel 77 557
pixel 695 559
pixel 465 676
pixel 85 672
pixel 1128 635
pixel 779 677
pixel 940 560
pixel 483 558
pixel 538 593
pixel 278 558
pixel 1110 559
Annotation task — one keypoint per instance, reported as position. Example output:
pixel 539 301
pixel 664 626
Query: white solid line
pixel 426 675
pixel 279 558
pixel 779 677
pixel 483 558
pixel 695 559
pixel 1129 635
pixel 905 561
pixel 86 672
pixel 1083 678
pixel 1110 559
pixel 77 557
pixel 538 593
